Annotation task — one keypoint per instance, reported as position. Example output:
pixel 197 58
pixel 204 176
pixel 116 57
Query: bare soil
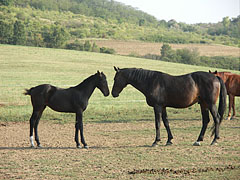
pixel 143 48
pixel 118 151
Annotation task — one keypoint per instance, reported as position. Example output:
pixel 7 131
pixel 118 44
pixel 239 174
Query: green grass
pixel 24 67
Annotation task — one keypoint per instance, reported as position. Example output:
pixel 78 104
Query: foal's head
pixel 102 83
pixel 120 82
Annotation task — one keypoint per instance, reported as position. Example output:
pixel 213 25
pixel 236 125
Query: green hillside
pixel 55 23
pixel 23 67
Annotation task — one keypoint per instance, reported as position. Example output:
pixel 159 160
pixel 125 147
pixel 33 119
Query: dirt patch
pixel 165 171
pixel 143 48
pixel 115 149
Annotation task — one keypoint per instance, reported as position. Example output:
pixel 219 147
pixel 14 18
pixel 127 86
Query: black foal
pixel 71 100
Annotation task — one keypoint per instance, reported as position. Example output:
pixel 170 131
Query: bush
pixel 107 50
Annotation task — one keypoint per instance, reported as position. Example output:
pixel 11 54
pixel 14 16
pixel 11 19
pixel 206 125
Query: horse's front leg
pixel 79 126
pixel 157 113
pixel 166 124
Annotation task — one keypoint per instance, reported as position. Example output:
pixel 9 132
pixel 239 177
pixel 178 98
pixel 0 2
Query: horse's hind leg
pixel 166 124
pixel 34 120
pixel 36 127
pixel 205 121
pixel 231 102
pixel 216 119
pixel 233 106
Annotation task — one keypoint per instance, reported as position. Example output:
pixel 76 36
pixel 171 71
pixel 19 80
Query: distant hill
pixel 54 23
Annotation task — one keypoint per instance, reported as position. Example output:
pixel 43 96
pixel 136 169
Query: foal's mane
pixel 138 75
pixel 85 82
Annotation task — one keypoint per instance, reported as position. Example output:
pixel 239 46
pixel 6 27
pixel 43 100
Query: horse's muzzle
pixel 115 94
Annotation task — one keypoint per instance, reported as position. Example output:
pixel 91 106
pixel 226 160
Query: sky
pixel 188 11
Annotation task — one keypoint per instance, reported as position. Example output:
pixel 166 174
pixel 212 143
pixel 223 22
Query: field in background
pixel 143 48
pixel 118 131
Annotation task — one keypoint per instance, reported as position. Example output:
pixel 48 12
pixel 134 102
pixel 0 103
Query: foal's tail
pixel 222 102
pixel 27 92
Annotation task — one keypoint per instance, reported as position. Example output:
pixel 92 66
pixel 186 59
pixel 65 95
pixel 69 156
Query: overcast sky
pixel 188 11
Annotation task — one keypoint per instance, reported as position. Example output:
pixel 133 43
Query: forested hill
pixel 55 23
pixel 105 9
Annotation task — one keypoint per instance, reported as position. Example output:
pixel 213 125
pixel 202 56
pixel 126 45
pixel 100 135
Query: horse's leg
pixel 230 106
pixel 32 124
pixel 233 106
pixel 205 121
pixel 216 117
pixel 80 127
pixel 36 127
pixel 166 124
pixel 157 112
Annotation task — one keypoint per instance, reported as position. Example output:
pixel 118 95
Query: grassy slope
pixel 24 67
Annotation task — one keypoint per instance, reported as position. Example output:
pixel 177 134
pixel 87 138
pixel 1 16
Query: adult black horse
pixel 71 100
pixel 163 90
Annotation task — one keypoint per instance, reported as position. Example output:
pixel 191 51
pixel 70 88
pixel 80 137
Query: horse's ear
pixel 210 71
pixel 98 72
pixel 116 69
pixel 215 72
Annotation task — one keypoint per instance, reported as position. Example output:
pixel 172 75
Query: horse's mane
pixel 135 74
pixel 84 82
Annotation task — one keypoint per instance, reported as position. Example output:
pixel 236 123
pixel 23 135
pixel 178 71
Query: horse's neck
pixel 88 87
pixel 140 85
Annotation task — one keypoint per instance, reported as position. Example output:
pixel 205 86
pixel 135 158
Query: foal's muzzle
pixel 115 94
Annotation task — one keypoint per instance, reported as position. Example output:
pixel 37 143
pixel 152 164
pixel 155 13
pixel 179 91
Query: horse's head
pixel 119 82
pixel 102 83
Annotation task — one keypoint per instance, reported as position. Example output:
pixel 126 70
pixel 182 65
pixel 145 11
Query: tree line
pixel 187 56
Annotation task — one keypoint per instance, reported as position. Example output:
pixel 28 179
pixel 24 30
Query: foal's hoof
pixel 168 143
pixel 197 143
pixel 86 147
pixel 213 143
pixel 79 147
pixel 32 146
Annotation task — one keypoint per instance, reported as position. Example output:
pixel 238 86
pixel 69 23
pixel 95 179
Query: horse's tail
pixel 27 92
pixel 222 102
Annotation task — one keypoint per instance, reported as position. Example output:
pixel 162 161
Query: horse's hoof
pixel 169 143
pixel 32 146
pixel 86 147
pixel 197 143
pixel 228 118
pixel 154 145
pixel 79 147
pixel 214 143
pixel 39 146
pixel 232 118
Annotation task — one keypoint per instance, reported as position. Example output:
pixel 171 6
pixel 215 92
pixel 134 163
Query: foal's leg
pixel 79 126
pixel 216 118
pixel 205 121
pixel 32 124
pixel 157 112
pixel 166 124
pixel 36 127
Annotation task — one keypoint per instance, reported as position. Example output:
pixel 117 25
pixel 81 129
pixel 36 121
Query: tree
pixel 55 36
pixel 6 2
pixel 6 32
pixel 19 33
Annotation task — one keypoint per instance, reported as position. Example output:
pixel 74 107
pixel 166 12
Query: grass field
pixel 118 131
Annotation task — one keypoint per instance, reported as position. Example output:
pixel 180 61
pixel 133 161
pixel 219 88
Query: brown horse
pixel 232 83
pixel 163 90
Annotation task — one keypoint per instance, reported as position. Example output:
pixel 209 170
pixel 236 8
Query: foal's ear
pixel 215 72
pixel 210 71
pixel 116 69
pixel 98 72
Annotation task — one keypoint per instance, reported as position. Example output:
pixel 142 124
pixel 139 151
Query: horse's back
pixel 233 84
